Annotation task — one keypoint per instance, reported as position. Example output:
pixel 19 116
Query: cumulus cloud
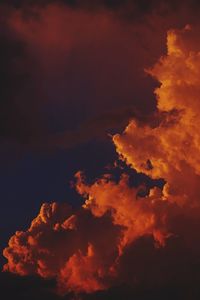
pixel 120 235
pixel 66 246
pixel 173 146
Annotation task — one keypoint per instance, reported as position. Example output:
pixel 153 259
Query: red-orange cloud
pixel 117 230
pixel 173 146
pixel 66 246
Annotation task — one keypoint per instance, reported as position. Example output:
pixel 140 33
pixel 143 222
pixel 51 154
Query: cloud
pixel 173 146
pixel 120 235
pixel 76 74
pixel 58 243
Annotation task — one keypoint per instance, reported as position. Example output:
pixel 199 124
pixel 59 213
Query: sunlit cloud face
pixel 173 146
pixel 117 231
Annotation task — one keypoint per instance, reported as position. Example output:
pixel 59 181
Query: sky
pixel 99 132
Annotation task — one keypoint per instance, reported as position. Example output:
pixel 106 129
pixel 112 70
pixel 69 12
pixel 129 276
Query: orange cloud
pixel 66 246
pixel 117 231
pixel 172 148
pixel 138 216
pixel 83 273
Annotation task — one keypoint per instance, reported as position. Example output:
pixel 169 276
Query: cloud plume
pixel 121 235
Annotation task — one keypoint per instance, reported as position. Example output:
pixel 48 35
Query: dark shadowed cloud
pixel 64 66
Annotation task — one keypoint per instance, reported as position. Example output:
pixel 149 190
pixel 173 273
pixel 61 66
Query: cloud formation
pixel 172 148
pixel 120 235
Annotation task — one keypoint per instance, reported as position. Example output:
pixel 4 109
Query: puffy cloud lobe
pixel 172 148
pixel 118 230
pixel 83 273
pixel 35 244
pixel 138 216
pixel 61 245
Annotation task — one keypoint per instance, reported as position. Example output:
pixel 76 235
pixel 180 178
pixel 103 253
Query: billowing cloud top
pixel 96 247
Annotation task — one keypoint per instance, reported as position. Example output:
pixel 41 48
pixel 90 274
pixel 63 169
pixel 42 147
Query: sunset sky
pixel 100 149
